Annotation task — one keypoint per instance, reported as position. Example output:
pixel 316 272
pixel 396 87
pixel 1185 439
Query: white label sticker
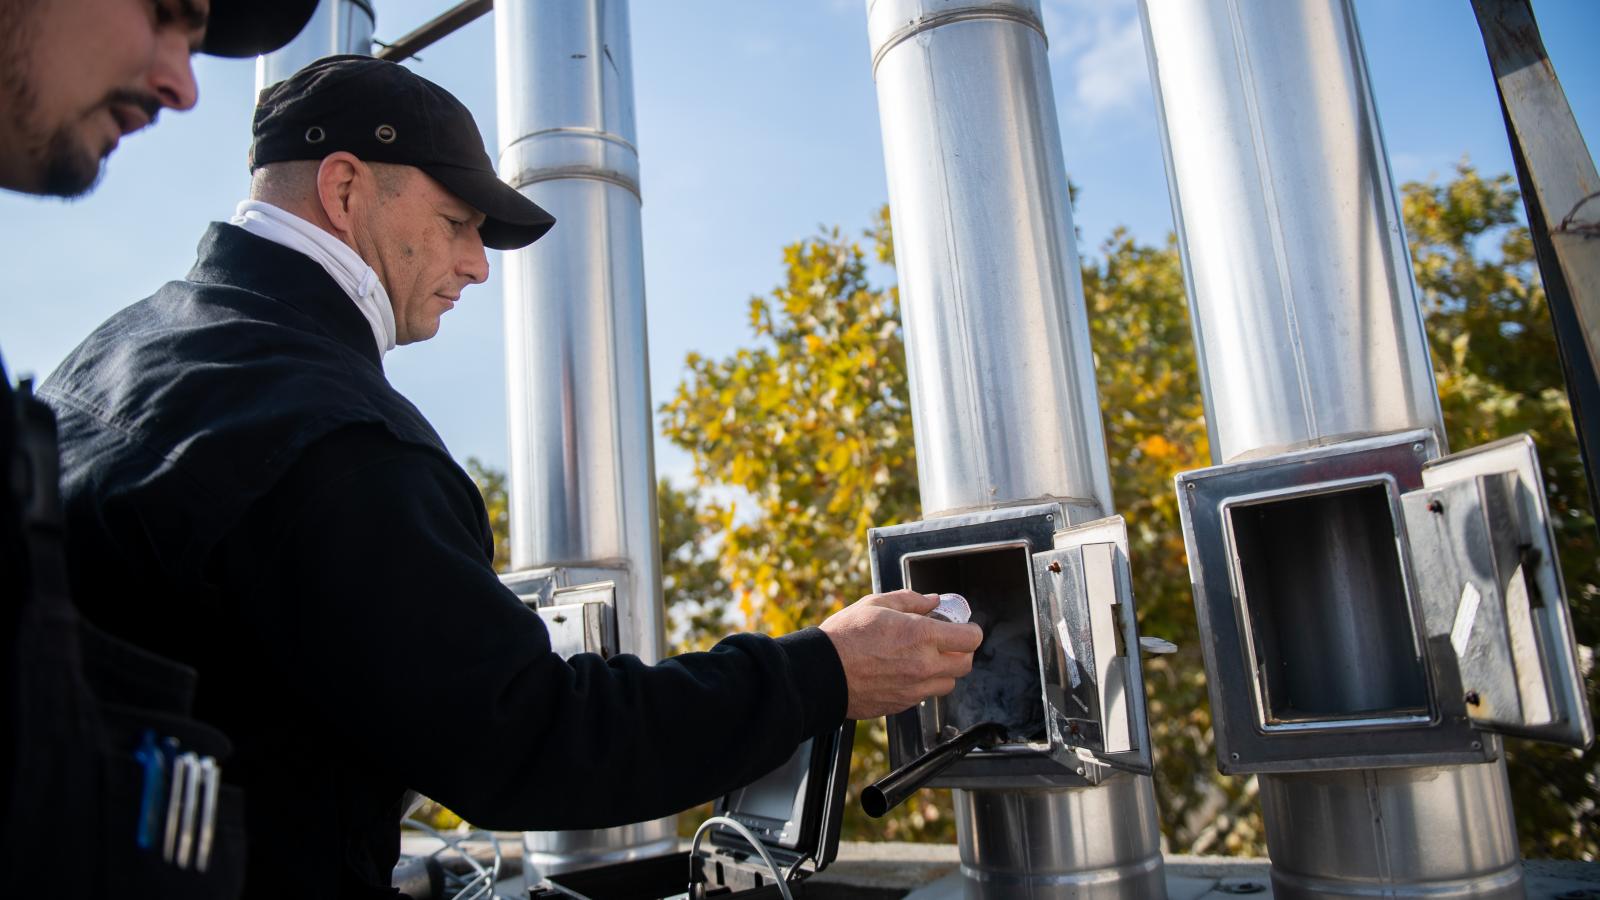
pixel 1466 614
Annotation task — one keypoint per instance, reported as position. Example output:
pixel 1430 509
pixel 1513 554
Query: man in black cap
pixel 260 503
pixel 75 76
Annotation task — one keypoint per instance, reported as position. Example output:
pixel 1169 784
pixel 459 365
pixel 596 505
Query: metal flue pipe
pixel 1308 331
pixel 337 26
pixel 1305 315
pixel 582 469
pixel 1003 395
pixel 1002 380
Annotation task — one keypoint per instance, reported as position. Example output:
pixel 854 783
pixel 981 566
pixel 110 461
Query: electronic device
pixel 794 812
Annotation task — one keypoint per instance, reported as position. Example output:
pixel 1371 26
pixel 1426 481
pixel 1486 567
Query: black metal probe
pixel 892 789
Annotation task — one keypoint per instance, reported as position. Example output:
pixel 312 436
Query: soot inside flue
pixel 1004 684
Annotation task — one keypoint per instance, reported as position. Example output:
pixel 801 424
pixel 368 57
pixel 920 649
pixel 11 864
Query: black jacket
pixel 80 814
pixel 249 495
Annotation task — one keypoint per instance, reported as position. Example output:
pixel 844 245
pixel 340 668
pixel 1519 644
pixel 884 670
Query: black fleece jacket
pixel 248 495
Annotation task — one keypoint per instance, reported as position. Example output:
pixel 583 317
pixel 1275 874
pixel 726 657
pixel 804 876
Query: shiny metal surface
pixel 1002 381
pixel 1305 592
pixel 1444 832
pixel 337 26
pixel 554 852
pixel 1308 333
pixel 582 470
pixel 1559 182
pixel 1102 843
pixel 1300 290
pixel 1548 658
pixel 908 556
pixel 1088 638
pixel 1003 393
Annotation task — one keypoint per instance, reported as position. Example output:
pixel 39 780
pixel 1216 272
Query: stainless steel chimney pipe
pixel 1003 394
pixel 1308 331
pixel 582 468
pixel 1002 380
pixel 337 26
pixel 1304 311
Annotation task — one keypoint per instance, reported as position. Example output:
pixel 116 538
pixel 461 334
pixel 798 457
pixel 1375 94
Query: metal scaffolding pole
pixel 1561 191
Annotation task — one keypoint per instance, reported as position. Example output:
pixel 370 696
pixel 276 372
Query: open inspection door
pixel 1498 630
pixel 1089 664
pixel 578 606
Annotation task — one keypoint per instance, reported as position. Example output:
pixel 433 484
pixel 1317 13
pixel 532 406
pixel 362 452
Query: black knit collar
pixel 229 255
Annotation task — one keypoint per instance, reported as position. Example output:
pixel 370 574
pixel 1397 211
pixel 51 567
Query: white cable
pixel 482 880
pixel 777 874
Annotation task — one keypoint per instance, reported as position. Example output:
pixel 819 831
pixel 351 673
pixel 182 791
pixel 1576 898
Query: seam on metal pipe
pixel 929 23
pixel 1086 879
pixel 585 172
pixel 1380 828
pixel 1089 505
pixel 610 137
pixel 1478 884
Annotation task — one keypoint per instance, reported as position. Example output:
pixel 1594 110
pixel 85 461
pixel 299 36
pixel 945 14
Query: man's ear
pixel 340 180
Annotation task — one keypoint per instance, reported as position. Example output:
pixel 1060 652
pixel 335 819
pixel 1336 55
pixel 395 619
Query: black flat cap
pixel 383 112
pixel 250 27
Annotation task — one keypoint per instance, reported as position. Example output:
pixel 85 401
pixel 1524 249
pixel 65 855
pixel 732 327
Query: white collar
pixel 358 280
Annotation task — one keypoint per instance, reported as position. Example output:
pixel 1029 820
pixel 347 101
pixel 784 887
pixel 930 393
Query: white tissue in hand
pixel 952 608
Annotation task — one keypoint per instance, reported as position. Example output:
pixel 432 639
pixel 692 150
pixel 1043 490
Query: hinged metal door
pixel 1489 586
pixel 1089 651
pixel 582 619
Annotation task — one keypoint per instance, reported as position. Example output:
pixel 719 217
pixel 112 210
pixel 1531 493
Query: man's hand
pixel 894 655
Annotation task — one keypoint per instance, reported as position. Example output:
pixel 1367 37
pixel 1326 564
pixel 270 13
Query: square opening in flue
pixel 1004 684
pixel 1320 585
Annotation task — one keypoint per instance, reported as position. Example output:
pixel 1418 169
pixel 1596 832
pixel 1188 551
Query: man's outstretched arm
pixel 371 555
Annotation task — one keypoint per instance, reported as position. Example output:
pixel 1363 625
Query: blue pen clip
pixel 149 756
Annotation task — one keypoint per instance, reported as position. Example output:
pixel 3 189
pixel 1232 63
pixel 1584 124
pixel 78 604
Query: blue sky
pixel 757 124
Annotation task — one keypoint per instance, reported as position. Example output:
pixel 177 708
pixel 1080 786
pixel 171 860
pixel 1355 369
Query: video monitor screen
pixel 771 805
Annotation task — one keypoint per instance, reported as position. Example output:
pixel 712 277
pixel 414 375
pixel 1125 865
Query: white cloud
pixel 1112 74
pixel 1098 50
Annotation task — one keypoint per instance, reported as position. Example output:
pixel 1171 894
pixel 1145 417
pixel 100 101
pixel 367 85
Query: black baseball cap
pixel 384 112
pixel 250 27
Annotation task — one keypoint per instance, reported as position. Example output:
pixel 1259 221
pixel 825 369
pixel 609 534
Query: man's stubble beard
pixel 69 171
pixel 65 167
